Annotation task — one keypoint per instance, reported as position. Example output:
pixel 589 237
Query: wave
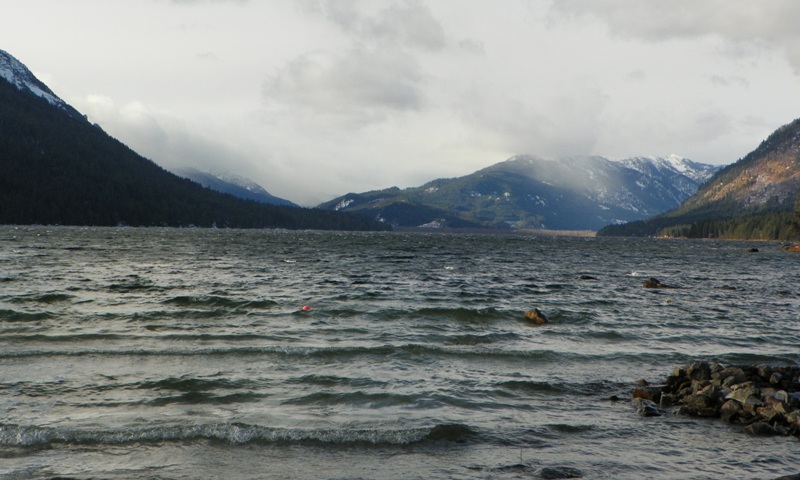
pixel 97 337
pixel 412 351
pixel 191 384
pixel 218 302
pixel 207 398
pixel 135 286
pixel 359 398
pixel 15 316
pixel 473 339
pixel 336 381
pixel 28 436
pixel 43 298
pixel 458 313
pixel 593 389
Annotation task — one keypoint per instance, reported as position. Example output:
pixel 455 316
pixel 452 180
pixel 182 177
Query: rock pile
pixel 764 399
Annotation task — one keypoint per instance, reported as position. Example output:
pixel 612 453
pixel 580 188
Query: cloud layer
pixel 315 98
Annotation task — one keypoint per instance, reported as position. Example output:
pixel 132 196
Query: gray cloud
pixel 409 24
pixel 162 138
pixel 557 126
pixel 200 2
pixel 209 56
pixel 745 23
pixel 472 46
pixel 360 86
pixel 636 75
pixel 729 81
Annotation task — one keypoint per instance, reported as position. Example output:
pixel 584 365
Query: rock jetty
pixel 764 399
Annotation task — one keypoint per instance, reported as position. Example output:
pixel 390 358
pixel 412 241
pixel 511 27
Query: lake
pixel 189 353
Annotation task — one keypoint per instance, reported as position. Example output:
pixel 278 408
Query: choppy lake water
pixel 169 353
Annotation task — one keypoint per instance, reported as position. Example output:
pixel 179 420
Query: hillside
pixel 578 193
pixel 755 197
pixel 57 168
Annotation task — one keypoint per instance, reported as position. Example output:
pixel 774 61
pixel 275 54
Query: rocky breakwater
pixel 765 400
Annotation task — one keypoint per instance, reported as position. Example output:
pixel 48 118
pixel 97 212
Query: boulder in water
pixel 646 408
pixel 653 282
pixel 761 428
pixel 536 316
pixel 553 473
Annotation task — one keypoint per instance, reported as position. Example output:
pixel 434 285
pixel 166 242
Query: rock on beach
pixel 764 399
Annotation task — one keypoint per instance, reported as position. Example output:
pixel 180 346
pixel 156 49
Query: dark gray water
pixel 164 353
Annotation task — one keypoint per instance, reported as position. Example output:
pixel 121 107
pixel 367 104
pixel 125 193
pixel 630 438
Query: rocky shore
pixel 765 400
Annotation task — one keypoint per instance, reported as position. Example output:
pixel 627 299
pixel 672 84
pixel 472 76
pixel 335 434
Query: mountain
pixel 756 197
pixel 576 193
pixel 57 168
pixel 17 74
pixel 232 184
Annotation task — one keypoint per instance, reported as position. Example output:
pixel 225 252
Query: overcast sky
pixel 314 98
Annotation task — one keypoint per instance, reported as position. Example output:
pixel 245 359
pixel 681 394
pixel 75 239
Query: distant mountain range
pixel 757 197
pixel 57 168
pixel 576 193
pixel 232 184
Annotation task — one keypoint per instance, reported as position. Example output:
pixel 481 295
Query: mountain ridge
pixel 232 184
pixel 524 191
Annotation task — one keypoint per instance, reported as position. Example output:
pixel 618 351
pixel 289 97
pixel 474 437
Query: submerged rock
pixel 536 316
pixel 646 408
pixel 656 283
pixel 761 428
pixel 553 473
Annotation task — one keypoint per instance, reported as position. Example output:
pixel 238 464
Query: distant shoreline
pixel 500 231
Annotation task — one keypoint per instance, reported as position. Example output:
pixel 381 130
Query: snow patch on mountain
pixel 17 74
pixel 699 172
pixel 233 184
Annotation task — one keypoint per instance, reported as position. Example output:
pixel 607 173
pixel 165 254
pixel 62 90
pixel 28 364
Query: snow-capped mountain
pixel 14 72
pixel 698 172
pixel 17 74
pixel 574 193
